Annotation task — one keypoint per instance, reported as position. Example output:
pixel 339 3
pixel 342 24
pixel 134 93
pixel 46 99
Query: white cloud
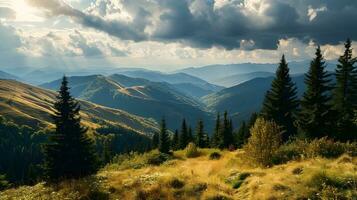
pixel 312 13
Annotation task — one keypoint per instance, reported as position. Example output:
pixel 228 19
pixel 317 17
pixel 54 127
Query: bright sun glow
pixel 24 12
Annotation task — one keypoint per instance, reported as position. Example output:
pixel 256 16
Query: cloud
pixel 7 13
pixel 222 23
pixel 127 31
pixel 10 42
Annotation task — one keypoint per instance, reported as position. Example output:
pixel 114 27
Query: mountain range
pixel 138 96
pixel 32 106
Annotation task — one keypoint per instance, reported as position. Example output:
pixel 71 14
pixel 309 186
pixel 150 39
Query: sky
pixel 168 35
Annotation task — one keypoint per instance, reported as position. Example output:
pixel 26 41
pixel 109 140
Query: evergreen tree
pixel 69 153
pixel 175 141
pixel 190 135
pixel 315 117
pixel 240 140
pixel 226 134
pixel 155 141
pixel 200 135
pixel 216 138
pixel 280 103
pixel 184 135
pixel 164 143
pixel 345 94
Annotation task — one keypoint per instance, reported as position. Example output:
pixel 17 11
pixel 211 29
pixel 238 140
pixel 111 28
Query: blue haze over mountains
pixel 190 93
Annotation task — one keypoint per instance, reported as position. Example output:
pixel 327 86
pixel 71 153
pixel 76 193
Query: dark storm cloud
pixel 116 28
pixel 203 24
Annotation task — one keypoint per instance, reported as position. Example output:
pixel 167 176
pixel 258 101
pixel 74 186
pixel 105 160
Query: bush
pixel 214 156
pixel 264 142
pixel 176 183
pixel 237 180
pixel 322 147
pixel 158 158
pixel 3 182
pixel 191 150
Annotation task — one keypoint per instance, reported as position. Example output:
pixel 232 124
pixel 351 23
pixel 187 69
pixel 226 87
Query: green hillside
pixel 137 96
pixel 32 106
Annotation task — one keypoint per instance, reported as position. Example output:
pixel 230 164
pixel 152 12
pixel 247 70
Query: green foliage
pixel 21 152
pixel 214 156
pixel 164 142
pixel 184 137
pixel 216 138
pixel 69 153
pixel 281 103
pixel 135 160
pixel 3 182
pixel 315 119
pixel 191 151
pixel 345 94
pixel 155 141
pixel 303 148
pixel 264 142
pixel 201 136
pixel 175 141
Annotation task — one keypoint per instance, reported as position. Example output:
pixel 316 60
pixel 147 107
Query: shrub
pixel 218 197
pixel 214 156
pixel 237 180
pixel 176 183
pixel 191 150
pixel 264 142
pixel 158 158
pixel 3 182
pixel 325 147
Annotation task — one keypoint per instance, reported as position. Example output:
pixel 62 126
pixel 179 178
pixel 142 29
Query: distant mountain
pixel 5 75
pixel 216 73
pixel 185 83
pixel 137 96
pixel 244 99
pixel 32 106
pixel 236 79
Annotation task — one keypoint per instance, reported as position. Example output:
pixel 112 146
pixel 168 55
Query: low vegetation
pixel 132 176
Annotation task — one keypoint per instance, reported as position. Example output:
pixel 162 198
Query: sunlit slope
pixel 30 105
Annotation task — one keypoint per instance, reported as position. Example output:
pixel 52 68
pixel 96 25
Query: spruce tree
pixel 184 135
pixel 315 116
pixel 175 141
pixel 155 140
pixel 164 140
pixel 226 134
pixel 345 94
pixel 200 135
pixel 240 140
pixel 190 135
pixel 69 153
pixel 280 103
pixel 216 138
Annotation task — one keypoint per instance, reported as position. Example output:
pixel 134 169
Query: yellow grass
pixel 204 178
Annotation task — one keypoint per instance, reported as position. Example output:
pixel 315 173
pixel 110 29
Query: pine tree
pixel 155 140
pixel 69 153
pixel 216 138
pixel 345 94
pixel 190 135
pixel 226 134
pixel 280 103
pixel 315 116
pixel 175 141
pixel 240 140
pixel 200 135
pixel 184 135
pixel 164 141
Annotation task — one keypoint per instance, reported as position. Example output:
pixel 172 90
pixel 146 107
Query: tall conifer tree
pixel 215 141
pixel 280 103
pixel 69 153
pixel 200 135
pixel 345 94
pixel 164 141
pixel 184 135
pixel 175 141
pixel 315 117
